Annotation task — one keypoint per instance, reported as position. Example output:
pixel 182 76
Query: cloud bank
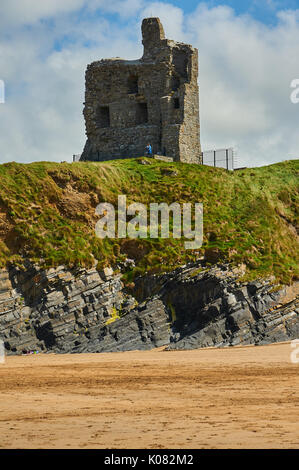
pixel 246 69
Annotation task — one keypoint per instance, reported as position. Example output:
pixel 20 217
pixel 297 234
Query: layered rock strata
pixel 62 311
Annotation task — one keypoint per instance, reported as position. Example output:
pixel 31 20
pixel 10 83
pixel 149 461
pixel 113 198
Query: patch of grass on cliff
pixel 47 214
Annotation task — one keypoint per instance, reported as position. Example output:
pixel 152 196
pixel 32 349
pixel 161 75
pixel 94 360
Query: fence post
pixel 226 154
pixel 214 158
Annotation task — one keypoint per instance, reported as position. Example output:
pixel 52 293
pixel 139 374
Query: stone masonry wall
pixel 129 104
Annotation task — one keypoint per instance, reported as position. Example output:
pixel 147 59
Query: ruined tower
pixel 130 103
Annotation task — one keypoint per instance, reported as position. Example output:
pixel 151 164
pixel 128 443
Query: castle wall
pixel 129 104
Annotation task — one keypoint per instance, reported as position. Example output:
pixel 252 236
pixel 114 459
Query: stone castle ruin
pixel 130 103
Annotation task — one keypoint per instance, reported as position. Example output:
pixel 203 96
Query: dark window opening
pixel 133 84
pixel 176 103
pixel 180 62
pixel 160 135
pixel 141 113
pixel 175 83
pixel 103 116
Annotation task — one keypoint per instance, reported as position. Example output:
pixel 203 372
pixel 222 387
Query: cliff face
pixel 48 215
pixel 61 311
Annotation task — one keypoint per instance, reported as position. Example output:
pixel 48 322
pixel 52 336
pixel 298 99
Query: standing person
pixel 149 150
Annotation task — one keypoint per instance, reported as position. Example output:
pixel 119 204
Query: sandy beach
pixel 242 397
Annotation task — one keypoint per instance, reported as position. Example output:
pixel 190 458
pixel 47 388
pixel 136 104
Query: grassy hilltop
pixel 47 214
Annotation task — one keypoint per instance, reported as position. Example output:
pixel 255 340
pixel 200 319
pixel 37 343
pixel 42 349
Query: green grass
pixel 47 215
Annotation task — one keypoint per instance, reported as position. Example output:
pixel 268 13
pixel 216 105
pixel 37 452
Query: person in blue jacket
pixel 149 150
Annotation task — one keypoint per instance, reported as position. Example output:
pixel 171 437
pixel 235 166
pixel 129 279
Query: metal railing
pixel 221 158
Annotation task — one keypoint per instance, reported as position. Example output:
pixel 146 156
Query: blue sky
pixel 248 54
pixel 261 10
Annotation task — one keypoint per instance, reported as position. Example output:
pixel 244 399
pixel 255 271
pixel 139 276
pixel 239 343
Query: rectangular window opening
pixel 133 84
pixel 176 103
pixel 141 113
pixel 103 116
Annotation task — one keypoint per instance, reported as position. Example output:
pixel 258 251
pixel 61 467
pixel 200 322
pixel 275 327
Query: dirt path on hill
pixel 242 397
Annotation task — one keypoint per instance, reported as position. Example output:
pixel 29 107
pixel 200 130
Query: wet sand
pixel 242 397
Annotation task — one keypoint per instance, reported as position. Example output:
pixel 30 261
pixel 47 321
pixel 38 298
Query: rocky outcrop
pixel 60 310
pixel 213 308
pixel 80 311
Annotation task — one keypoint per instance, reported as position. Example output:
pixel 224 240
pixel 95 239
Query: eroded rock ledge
pixel 61 311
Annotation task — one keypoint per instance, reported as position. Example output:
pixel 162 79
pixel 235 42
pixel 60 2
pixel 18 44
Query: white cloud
pixel 28 12
pixel 42 117
pixel 245 73
pixel 16 12
pixel 171 17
